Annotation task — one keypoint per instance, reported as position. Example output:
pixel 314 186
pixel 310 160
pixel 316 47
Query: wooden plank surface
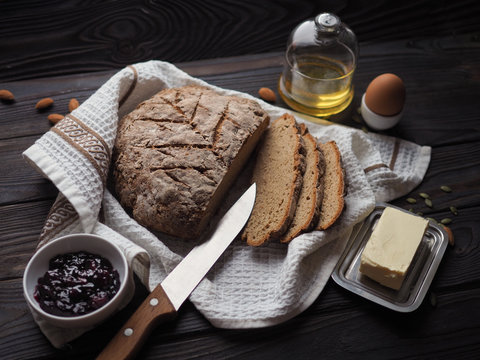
pixel 47 38
pixel 437 56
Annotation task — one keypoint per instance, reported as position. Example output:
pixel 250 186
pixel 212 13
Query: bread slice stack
pixel 278 173
pixel 307 212
pixel 300 184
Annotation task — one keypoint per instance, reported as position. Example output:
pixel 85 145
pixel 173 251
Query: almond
pixel 44 103
pixel 267 94
pixel 449 231
pixel 55 118
pixel 6 95
pixel 73 104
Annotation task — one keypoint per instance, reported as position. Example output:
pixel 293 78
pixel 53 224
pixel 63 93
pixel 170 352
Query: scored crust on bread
pixel 278 173
pixel 309 203
pixel 177 154
pixel 333 187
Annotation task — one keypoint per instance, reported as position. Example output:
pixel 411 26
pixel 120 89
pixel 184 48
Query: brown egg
pixel 385 95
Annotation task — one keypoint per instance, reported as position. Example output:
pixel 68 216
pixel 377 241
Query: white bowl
pixel 38 265
pixel 376 121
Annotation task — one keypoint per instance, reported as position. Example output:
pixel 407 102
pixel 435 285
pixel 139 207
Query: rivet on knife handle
pixel 155 308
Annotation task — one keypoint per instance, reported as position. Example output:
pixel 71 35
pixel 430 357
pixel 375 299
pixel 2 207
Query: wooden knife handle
pixel 125 344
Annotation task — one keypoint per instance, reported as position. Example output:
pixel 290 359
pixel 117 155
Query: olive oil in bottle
pixel 319 66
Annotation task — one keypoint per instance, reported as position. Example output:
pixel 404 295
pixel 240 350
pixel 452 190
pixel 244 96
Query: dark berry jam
pixel 76 284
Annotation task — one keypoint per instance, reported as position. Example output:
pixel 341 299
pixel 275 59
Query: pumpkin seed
pixel 411 210
pixel 446 188
pixel 357 118
pixel 446 221
pixel 424 195
pixel 411 201
pixel 429 203
pixel 432 220
pixel 454 210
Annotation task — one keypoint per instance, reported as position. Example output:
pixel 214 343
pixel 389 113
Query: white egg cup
pixel 376 121
pixel 38 265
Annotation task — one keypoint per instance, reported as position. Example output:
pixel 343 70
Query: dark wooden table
pixel 66 49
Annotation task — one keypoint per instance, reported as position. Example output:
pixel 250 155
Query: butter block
pixel 392 246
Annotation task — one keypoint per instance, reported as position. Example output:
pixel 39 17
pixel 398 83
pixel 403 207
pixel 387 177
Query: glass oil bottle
pixel 320 61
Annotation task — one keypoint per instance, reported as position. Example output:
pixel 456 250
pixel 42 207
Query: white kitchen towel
pixel 249 286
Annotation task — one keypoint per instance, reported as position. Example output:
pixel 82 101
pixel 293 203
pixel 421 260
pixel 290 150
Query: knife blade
pixel 167 297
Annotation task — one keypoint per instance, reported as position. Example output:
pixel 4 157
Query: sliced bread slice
pixel 334 186
pixel 278 172
pixel 309 203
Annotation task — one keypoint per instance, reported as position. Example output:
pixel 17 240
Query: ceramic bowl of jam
pixel 76 280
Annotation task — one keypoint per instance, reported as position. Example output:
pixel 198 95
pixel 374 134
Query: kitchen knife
pixel 164 301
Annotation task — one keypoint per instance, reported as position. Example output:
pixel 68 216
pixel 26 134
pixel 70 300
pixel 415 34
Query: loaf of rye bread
pixel 178 153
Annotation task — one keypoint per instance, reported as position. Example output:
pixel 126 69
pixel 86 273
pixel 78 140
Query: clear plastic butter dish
pixel 417 280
